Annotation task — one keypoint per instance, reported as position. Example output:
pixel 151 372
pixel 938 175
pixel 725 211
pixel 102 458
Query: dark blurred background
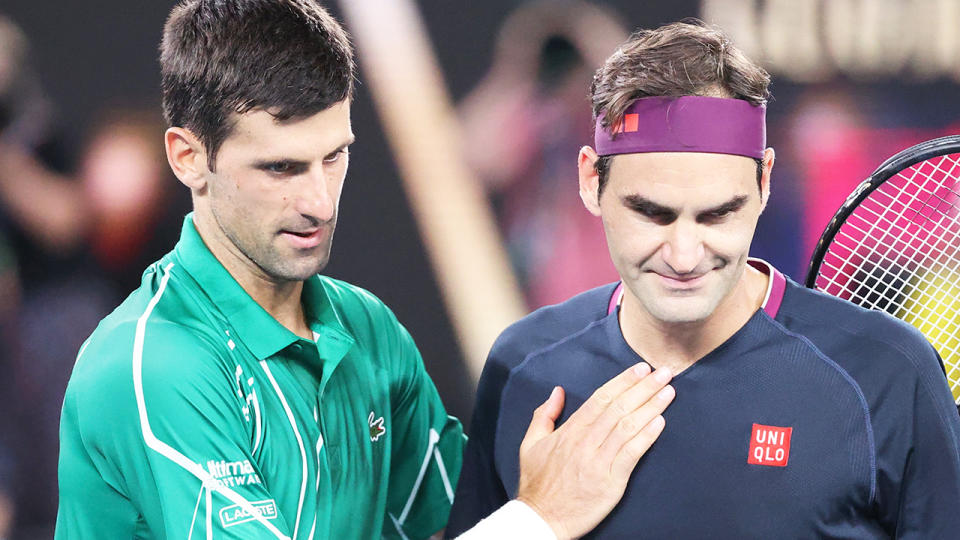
pixel 853 82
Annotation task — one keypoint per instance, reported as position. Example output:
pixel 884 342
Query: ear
pixel 589 179
pixel 187 157
pixel 769 156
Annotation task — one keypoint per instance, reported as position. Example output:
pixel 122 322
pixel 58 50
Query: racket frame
pixel 900 161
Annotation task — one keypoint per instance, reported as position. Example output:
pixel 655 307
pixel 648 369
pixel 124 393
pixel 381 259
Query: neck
pixel 680 345
pixel 281 299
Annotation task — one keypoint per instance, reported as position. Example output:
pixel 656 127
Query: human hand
pixel 574 475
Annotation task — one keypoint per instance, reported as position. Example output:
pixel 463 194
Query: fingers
pixel 618 412
pixel 632 433
pixel 553 406
pixel 607 394
pixel 631 452
pixel 544 418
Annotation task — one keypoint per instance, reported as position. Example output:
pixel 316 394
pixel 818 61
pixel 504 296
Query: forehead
pixel 258 131
pixel 690 175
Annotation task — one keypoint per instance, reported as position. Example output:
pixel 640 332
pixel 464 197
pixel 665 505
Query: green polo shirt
pixel 192 413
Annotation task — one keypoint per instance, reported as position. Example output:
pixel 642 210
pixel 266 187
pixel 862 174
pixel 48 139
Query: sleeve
pixel 426 447
pixel 919 469
pixel 480 491
pixel 512 520
pixel 169 432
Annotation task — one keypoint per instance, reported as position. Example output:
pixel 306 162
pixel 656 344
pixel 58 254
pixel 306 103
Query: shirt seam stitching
pixel 860 396
pixel 924 383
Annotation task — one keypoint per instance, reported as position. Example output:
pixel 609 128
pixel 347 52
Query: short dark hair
pixel 688 58
pixel 219 58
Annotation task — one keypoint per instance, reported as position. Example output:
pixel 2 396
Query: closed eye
pixel 660 217
pixel 283 167
pixel 333 157
pixel 720 213
pixel 659 214
pixel 716 215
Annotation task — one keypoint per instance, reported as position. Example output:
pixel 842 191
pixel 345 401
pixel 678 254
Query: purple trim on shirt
pixel 778 285
pixel 615 298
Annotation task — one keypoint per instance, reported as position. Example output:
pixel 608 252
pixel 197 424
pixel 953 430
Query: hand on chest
pixel 773 429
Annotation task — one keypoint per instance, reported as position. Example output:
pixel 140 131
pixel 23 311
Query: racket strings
pixel 899 251
pixel 855 242
pixel 905 267
pixel 905 262
pixel 933 252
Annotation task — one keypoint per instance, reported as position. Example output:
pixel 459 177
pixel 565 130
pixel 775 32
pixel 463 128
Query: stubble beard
pixel 268 256
pixel 295 267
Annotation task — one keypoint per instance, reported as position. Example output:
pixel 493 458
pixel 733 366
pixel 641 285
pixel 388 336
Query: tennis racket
pixel 894 245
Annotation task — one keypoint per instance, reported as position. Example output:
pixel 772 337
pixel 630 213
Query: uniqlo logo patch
pixel 769 445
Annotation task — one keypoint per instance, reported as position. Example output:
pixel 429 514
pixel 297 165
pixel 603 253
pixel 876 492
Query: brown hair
pixel 688 58
pixel 219 58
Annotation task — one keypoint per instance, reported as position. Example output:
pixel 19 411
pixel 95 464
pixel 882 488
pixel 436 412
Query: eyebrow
pixel 647 207
pixel 262 163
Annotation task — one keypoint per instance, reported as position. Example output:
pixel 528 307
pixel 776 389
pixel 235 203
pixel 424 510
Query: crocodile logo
pixel 376 427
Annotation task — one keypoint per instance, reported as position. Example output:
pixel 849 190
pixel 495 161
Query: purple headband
pixel 687 124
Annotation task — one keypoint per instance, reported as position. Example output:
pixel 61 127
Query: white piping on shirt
pixel 434 438
pixel 195 509
pixel 164 449
pixel 258 434
pixel 303 452
pixel 769 267
pixel 443 473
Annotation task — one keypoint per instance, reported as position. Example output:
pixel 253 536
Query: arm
pixel 571 477
pixel 924 502
pixel 163 437
pixel 51 207
pixel 480 490
pixel 426 444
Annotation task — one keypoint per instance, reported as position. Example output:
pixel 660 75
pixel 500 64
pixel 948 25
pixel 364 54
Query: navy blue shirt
pixel 823 420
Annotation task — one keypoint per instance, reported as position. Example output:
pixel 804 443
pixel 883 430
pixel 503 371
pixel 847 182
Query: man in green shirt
pixel 237 393
pixel 190 403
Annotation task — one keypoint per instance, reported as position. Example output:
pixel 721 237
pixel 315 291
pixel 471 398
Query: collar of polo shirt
pixel 256 328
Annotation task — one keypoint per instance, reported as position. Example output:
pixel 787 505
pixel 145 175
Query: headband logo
pixel 629 124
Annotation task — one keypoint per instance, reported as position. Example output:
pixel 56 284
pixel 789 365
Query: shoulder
pixel 151 340
pixel 549 325
pixel 131 373
pixel 890 359
pixel 848 330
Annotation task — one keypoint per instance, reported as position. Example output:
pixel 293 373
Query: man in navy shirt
pixel 796 415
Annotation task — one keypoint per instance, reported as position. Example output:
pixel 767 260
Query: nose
pixel 316 197
pixel 683 248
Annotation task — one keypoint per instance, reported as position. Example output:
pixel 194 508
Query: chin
pixel 297 272
pixel 681 318
pixel 682 311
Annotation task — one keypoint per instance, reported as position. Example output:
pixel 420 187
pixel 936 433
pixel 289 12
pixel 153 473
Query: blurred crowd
pixel 524 124
pixel 78 224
